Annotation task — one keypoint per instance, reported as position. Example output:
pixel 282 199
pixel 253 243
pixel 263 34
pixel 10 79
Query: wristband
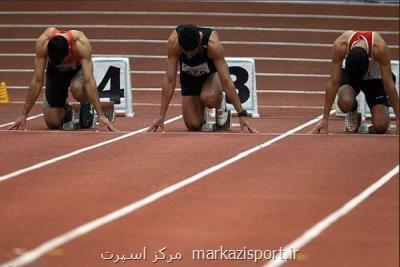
pixel 242 113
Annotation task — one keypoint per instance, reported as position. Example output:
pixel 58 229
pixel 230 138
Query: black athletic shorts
pixel 191 85
pixel 373 89
pixel 57 84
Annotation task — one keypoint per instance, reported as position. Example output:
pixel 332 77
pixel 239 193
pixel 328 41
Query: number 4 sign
pixel 113 80
pixel 243 74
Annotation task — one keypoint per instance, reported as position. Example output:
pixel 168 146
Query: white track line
pixel 157 89
pixel 203 14
pixel 393 3
pixel 171 27
pixel 29 118
pixel 176 105
pixel 76 152
pixel 159 72
pixel 164 57
pixel 322 225
pixel 158 41
pixel 48 246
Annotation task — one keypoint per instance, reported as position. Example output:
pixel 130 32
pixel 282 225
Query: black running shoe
pixel 86 116
pixel 68 113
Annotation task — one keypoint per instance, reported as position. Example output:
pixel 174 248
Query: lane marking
pixel 76 152
pixel 28 118
pixel 58 241
pixel 171 27
pixel 339 3
pixel 177 105
pixel 209 14
pixel 158 41
pixel 322 225
pixel 157 72
pixel 157 89
pixel 233 133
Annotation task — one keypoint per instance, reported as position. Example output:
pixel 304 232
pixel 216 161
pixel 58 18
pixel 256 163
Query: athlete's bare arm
pixel 216 53
pixel 380 53
pixel 37 80
pixel 339 51
pixel 169 80
pixel 83 51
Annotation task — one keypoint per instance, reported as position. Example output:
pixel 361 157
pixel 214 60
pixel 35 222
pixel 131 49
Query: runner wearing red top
pixel 360 61
pixel 69 65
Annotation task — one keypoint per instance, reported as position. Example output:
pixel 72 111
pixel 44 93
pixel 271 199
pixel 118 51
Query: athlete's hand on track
pixel 159 123
pixel 244 124
pixel 19 122
pixel 320 128
pixel 109 125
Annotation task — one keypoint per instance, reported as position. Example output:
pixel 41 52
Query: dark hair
pixel 188 37
pixel 57 49
pixel 357 63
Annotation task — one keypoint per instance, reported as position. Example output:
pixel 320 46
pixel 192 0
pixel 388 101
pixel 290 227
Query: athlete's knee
pixel 210 99
pixel 347 98
pixel 78 91
pixel 380 127
pixel 193 126
pixel 53 123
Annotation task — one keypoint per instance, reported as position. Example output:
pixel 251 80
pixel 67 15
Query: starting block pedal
pixel 211 126
pixel 73 123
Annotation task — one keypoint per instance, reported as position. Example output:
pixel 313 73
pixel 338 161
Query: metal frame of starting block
pixel 210 124
pixel 109 112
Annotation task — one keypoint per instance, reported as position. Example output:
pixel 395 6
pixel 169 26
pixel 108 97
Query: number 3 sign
pixel 243 74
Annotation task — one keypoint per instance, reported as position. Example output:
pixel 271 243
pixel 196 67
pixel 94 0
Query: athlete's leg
pixel 378 103
pixel 380 119
pixel 211 91
pixel 77 88
pixel 193 112
pixel 78 91
pixel 53 117
pixel 55 97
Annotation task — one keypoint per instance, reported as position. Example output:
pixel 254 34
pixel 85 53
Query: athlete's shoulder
pixel 215 47
pixel 173 44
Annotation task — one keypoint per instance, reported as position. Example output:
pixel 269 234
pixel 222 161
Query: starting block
pixel 73 124
pixel 211 126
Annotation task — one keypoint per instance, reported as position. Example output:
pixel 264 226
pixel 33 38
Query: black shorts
pixel 373 89
pixel 191 85
pixel 57 84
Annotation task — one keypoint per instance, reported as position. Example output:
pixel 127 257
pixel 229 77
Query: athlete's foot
pixel 222 112
pixel 352 121
pixel 86 116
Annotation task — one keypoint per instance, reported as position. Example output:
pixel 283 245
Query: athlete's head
pixel 357 63
pixel 57 49
pixel 189 37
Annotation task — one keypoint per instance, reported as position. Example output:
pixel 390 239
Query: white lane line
pixel 175 105
pixel 47 246
pixel 76 152
pixel 29 118
pixel 322 225
pixel 159 72
pixel 171 27
pixel 157 89
pixel 164 57
pixel 339 3
pixel 210 14
pixel 154 41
